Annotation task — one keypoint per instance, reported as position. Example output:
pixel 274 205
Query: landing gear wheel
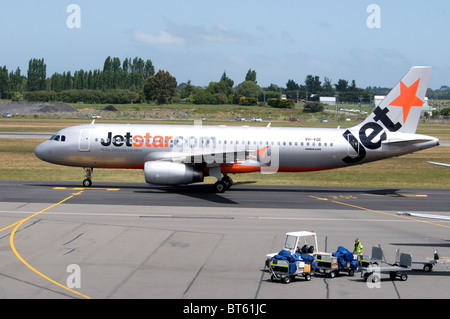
pixel 87 182
pixel 228 180
pixel 220 187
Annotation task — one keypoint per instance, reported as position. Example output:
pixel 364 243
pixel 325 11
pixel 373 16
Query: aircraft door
pixel 84 144
pixel 353 146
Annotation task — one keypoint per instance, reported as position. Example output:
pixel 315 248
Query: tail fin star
pixel 400 110
pixel 407 98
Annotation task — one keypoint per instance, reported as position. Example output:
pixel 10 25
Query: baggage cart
pixel 428 264
pixel 373 272
pixel 347 261
pixel 366 260
pixel 326 264
pixel 287 271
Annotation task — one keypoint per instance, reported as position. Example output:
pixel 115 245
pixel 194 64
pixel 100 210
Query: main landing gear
pixel 222 185
pixel 88 181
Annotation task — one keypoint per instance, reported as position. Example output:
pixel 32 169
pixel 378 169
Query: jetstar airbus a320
pixel 184 154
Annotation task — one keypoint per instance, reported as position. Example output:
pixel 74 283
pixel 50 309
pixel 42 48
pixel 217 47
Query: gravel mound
pixel 35 107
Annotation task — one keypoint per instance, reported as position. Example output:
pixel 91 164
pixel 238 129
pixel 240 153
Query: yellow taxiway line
pixel 13 247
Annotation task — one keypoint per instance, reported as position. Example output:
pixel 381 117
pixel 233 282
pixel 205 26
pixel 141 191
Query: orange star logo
pixel 407 98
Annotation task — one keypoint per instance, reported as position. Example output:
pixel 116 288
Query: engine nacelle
pixel 170 173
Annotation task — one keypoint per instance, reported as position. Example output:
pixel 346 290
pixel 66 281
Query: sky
pixel 373 42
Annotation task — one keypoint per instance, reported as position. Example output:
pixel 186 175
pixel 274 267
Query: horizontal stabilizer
pixel 405 139
pixel 440 164
pixel 424 215
pixel 405 142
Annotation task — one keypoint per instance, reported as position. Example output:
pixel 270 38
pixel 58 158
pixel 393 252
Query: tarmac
pixel 59 240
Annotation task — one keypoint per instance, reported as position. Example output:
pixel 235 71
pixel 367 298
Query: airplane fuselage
pixel 288 149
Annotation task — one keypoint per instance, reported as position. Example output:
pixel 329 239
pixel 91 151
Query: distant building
pixel 328 100
pixel 426 107
pixel 377 99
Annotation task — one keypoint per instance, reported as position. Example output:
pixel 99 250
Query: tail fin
pixel 400 109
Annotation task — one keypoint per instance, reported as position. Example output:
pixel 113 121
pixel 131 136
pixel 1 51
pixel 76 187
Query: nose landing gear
pixel 88 181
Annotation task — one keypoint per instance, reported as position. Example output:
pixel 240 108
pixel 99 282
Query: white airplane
pixel 184 154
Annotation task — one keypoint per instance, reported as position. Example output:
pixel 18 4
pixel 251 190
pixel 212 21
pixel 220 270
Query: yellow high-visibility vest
pixel 358 248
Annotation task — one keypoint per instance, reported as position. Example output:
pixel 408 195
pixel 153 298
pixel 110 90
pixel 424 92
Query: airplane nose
pixel 43 151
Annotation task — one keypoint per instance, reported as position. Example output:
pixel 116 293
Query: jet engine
pixel 170 173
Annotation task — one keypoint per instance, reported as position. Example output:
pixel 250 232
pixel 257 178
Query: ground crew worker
pixel 357 250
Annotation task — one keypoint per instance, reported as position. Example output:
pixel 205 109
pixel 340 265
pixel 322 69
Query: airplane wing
pixel 249 157
pixel 441 164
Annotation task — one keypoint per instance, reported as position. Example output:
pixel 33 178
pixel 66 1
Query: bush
pixel 204 97
pixel 281 103
pixel 445 111
pixel 16 97
pixel 313 107
pixel 248 100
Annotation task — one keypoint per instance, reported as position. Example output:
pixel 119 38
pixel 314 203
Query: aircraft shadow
pixel 446 244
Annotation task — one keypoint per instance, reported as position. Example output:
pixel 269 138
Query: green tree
pixel 186 89
pixel 160 87
pixel 313 84
pixel 327 86
pixel 248 89
pixel 251 76
pixel 37 73
pixel 149 69
pixel 341 86
pixel 292 86
pixel 227 80
pixel 4 82
pixel 16 81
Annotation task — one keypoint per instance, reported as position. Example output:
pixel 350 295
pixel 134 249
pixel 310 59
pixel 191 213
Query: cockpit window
pixel 61 138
